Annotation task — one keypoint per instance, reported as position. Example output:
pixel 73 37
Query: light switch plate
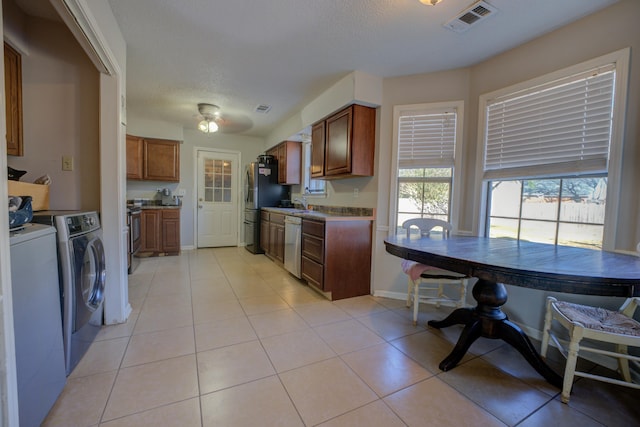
pixel 67 163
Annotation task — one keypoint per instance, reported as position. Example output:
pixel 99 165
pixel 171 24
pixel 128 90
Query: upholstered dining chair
pixel 617 329
pixel 426 284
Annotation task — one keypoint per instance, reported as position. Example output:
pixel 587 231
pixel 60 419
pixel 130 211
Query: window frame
pixel 614 168
pixel 306 175
pixel 456 178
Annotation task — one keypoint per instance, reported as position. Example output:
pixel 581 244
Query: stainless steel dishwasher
pixel 292 244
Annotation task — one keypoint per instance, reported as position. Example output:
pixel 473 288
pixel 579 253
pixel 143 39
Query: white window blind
pixel 426 139
pixel 563 126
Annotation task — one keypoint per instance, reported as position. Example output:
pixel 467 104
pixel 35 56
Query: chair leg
pixel 416 302
pixel 547 330
pixel 623 364
pixel 410 285
pixel 463 293
pixel 440 294
pixel 570 369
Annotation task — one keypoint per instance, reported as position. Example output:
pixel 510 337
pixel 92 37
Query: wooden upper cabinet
pixel 338 140
pixel 317 150
pixel 289 158
pixel 288 154
pixel 153 159
pixel 349 144
pixel 134 157
pixel 13 100
pixel 162 160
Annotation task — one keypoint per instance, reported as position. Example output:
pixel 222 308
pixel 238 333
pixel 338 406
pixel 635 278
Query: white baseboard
pixel 391 295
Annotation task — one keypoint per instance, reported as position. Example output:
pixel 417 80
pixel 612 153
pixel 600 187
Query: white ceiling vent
pixel 471 16
pixel 263 108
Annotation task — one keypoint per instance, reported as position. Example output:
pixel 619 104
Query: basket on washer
pixel 23 215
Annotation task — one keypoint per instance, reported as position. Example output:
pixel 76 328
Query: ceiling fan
pixel 209 113
pixel 212 120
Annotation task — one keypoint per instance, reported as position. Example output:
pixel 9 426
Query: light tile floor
pixel 222 337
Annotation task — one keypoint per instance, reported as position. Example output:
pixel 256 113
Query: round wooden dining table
pixel 498 261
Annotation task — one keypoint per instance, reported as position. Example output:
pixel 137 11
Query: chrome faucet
pixel 303 201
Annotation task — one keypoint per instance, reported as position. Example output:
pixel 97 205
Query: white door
pixel 218 193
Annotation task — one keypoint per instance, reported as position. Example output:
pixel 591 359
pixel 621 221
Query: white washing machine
pixel 82 278
pixel 37 321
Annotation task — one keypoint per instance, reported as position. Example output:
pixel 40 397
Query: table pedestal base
pixel 487 320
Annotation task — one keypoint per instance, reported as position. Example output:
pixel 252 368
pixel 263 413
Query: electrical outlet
pixel 67 163
pixel 356 193
pixel 181 192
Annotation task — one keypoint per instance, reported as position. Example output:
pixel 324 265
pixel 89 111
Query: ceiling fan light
pixel 207 126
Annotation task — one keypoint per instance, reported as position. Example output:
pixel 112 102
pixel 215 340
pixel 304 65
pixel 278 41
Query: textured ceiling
pixel 241 53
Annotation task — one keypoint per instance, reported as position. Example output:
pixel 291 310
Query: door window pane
pixel 217 181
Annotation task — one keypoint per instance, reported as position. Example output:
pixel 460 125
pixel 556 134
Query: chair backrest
pixel 425 225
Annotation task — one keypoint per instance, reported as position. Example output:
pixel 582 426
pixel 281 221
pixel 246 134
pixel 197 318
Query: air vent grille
pixel 481 10
pixel 263 108
pixel 470 16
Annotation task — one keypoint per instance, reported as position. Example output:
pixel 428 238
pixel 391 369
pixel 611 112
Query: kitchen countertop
pixel 322 216
pixel 159 207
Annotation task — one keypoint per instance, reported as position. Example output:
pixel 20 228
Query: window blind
pixel 426 139
pixel 563 126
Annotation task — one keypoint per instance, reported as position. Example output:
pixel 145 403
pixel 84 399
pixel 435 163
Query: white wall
pixel 60 99
pixel 606 31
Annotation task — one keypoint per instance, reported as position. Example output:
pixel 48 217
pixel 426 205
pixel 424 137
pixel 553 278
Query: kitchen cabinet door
pixel 150 233
pixel 171 230
pixel 276 237
pixel 134 157
pixel 289 158
pixel 338 144
pixel 317 150
pixel 161 160
pixel 264 235
pixel 13 100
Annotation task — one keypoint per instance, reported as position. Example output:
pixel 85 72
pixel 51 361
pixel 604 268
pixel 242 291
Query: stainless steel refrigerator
pixel 261 190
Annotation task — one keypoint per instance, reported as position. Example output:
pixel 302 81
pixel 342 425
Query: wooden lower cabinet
pixel 160 231
pixel 276 236
pixel 150 230
pixel 264 231
pixel 336 257
pixel 171 231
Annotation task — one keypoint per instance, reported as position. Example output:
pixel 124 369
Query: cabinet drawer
pixel 264 215
pixel 170 214
pixel 313 248
pixel 314 228
pixel 276 218
pixel 312 272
